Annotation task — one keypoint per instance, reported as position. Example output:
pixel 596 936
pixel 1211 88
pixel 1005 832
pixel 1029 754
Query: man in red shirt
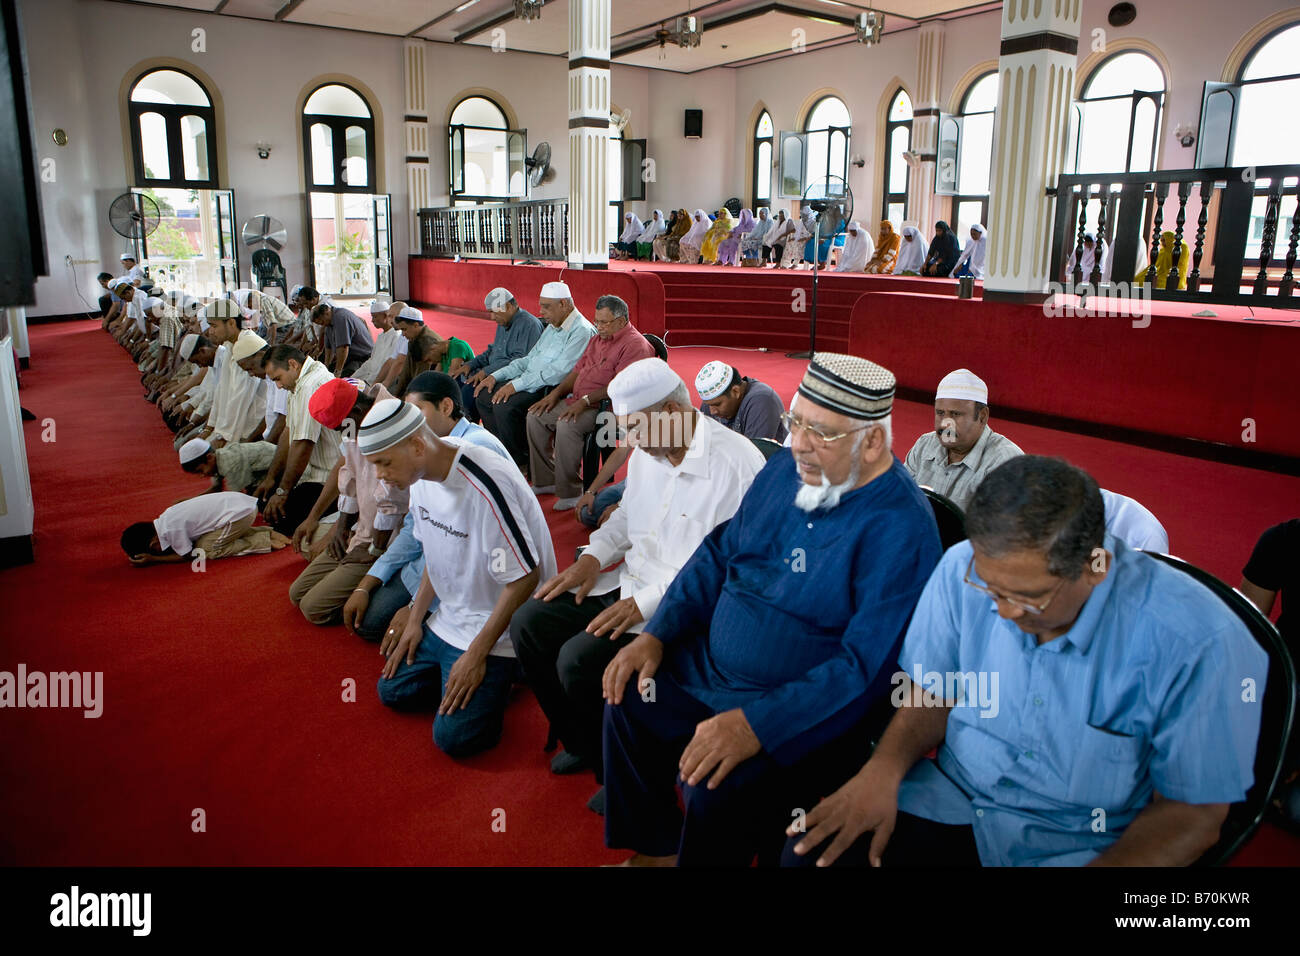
pixel 568 420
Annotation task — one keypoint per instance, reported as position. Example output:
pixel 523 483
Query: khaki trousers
pixel 568 438
pixel 325 586
pixel 238 537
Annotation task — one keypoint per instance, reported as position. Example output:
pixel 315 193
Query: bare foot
pixel 279 541
pixel 640 859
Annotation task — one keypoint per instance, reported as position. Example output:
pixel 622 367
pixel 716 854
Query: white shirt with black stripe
pixel 481 528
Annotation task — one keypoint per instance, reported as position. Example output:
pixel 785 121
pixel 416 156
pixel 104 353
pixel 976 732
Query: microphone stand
pixel 812 327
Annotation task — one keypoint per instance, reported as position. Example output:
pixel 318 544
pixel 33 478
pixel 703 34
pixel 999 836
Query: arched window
pixel 828 128
pixel 173 131
pixel 339 141
pixel 965 154
pixel 1117 120
pixel 898 140
pixel 763 136
pixel 487 157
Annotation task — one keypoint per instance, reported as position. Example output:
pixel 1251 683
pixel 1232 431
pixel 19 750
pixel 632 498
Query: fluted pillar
pixel 925 124
pixel 1040 43
pixel 589 26
pixel 416 137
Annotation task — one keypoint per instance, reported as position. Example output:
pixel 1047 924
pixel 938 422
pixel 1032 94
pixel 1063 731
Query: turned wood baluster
pixel 1270 234
pixel 1194 277
pixel 1099 244
pixel 1161 191
pixel 1288 282
pixel 1184 189
pixel 1076 276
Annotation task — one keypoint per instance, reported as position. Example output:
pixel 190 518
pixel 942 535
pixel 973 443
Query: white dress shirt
pixel 667 511
pixel 1133 524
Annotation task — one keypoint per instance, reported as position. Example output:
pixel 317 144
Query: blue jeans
pixel 609 495
pixel 387 600
pixel 420 686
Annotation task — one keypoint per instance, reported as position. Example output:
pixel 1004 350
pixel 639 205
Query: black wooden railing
pixel 538 229
pixel 1125 210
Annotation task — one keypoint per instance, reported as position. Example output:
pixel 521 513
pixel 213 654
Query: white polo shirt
pixel 480 529
pixel 277 401
pixel 182 523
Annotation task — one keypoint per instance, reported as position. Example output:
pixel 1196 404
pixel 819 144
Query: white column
pixel 1040 43
pixel 588 132
pixel 925 124
pixel 416 137
pixel 17 316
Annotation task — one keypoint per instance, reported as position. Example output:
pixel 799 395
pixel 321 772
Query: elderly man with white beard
pixel 769 659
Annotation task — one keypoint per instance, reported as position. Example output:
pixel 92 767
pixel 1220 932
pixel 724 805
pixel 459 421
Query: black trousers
pixel 301 500
pixel 564 665
pixel 745 816
pixel 915 842
pixel 105 303
pixel 509 422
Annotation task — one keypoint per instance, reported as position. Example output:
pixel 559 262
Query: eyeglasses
pixel 794 424
pixel 1027 608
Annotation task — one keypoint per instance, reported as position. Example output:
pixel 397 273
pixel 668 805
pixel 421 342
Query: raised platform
pixel 1161 371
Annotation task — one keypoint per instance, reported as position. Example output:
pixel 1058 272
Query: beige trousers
pixel 568 438
pixel 238 537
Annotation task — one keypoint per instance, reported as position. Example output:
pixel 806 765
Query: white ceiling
pixel 735 31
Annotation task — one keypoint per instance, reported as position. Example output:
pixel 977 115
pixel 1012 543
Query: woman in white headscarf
pixel 1088 261
pixel 794 244
pixel 751 246
pixel 911 252
pixel 652 231
pixel 971 261
pixel 694 238
pixel 774 241
pixel 858 248
pixel 626 244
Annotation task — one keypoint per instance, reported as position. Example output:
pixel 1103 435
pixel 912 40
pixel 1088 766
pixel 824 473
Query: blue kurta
pixel 797 617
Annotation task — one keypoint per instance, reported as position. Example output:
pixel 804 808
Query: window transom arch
pixel 173 130
pixel 828 128
pixel 338 128
pixel 898 140
pixel 486 157
pixel 763 145
pixel 1117 120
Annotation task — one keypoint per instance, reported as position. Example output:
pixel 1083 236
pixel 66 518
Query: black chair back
pixel 657 344
pixel 767 446
pixel 951 520
pixel 268 270
pixel 1276 719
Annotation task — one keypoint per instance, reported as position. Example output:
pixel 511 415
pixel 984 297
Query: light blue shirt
pixel 404 551
pixel 1054 749
pixel 552 358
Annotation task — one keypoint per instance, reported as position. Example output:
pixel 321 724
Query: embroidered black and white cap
pixel 849 385
pixel 388 423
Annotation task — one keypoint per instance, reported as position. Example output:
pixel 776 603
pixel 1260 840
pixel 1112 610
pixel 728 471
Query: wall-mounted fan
pixel 826 210
pixel 262 232
pixel 540 170
pixel 133 216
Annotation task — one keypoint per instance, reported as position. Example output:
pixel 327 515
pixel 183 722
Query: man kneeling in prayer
pixel 771 652
pixel 218 525
pixel 486 548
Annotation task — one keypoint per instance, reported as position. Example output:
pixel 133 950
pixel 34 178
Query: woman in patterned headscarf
pixel 667 247
pixel 729 249
pixel 882 263
pixel 694 238
pixel 723 223
pixel 751 246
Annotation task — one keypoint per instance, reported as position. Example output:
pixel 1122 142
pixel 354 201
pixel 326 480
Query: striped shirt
pixel 480 528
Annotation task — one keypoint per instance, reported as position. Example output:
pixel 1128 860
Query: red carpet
pixel 218 696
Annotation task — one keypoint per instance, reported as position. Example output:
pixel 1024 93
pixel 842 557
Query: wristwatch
pixel 586 401
pixel 281 491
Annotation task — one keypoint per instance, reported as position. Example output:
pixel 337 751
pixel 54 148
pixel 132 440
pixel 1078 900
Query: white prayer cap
pixel 379 305
pixel 410 314
pixel 248 343
pixel 117 284
pixel 714 379
pixel 194 448
pixel 152 302
pixel 388 423
pixel 221 309
pixel 556 290
pixel 127 255
pixel 186 348
pixel 295 290
pixel 203 322
pixel 963 385
pixel 499 298
pixel 644 383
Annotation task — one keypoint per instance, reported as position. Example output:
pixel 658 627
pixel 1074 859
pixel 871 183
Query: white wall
pixel 259 70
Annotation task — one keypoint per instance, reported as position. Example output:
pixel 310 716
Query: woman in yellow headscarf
pixel 882 263
pixel 1165 262
pixel 720 229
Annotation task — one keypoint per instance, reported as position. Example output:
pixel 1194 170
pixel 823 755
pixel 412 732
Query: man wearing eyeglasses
pixel 1129 701
pixel 954 458
pixel 762 671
